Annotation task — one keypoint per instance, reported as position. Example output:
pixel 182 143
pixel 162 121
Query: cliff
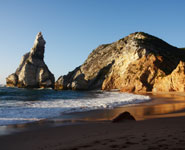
pixel 32 71
pixel 137 63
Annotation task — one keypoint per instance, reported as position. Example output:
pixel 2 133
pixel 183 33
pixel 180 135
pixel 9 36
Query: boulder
pixel 32 71
pixel 132 64
pixel 125 116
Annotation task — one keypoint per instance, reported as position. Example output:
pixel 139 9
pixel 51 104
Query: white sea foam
pixel 2 85
pixel 12 112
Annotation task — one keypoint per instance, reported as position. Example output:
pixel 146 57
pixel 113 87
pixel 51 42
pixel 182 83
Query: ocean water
pixel 26 105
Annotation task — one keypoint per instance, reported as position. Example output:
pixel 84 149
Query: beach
pixel 92 75
pixel 160 124
pixel 166 133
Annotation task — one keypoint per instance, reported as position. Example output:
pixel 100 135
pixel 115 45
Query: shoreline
pixel 160 124
pixel 161 105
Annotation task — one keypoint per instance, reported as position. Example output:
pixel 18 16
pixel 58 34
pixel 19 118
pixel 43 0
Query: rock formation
pixel 125 116
pixel 173 82
pixel 32 71
pixel 136 63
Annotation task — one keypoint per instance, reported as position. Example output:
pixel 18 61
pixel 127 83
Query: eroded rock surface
pixel 92 73
pixel 173 82
pixel 32 71
pixel 135 63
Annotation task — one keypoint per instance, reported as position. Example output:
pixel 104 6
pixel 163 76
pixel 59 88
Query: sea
pixel 18 105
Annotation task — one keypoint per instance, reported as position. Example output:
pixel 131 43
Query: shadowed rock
pixel 125 116
pixel 135 63
pixel 32 71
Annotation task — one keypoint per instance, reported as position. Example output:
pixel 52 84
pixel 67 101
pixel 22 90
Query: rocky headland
pixel 137 63
pixel 32 71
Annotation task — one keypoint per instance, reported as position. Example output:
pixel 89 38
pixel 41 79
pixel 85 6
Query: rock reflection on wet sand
pixel 161 105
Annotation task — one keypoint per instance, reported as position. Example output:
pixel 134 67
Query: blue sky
pixel 73 28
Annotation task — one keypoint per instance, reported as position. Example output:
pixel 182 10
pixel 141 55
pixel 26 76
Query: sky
pixel 73 28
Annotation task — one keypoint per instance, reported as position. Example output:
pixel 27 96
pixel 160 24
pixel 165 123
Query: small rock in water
pixel 125 116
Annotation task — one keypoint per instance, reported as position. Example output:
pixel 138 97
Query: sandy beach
pixel 160 124
pixel 166 133
pixel 92 75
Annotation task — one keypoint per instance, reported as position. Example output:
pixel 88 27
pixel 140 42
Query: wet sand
pixel 161 105
pixel 154 134
pixel 160 125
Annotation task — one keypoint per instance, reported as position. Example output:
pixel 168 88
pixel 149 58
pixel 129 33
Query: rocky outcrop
pixel 133 64
pixel 32 71
pixel 92 73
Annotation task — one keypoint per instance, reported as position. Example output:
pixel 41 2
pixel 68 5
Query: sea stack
pixel 32 71
pixel 138 62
